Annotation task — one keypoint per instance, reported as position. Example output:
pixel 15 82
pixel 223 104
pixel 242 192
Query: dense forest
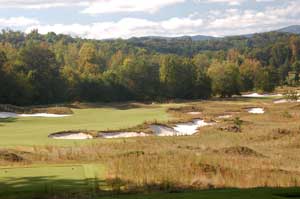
pixel 44 69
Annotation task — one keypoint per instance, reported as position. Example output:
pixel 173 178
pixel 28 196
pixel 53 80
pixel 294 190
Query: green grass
pixel 38 181
pixel 48 179
pixel 34 131
pixel 183 155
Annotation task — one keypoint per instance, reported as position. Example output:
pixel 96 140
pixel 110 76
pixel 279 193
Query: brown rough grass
pixel 265 153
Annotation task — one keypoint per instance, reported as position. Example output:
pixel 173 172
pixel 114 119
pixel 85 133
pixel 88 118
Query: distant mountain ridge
pixel 294 29
pixel 193 38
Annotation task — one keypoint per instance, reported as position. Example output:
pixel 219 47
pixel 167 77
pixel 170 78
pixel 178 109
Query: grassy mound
pixel 10 156
pixel 32 110
pixel 240 150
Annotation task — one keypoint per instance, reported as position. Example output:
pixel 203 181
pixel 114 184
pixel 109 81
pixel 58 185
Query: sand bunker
pixel 256 95
pixel 190 128
pixel 42 115
pixel 194 113
pixel 224 116
pixel 71 136
pixel 160 130
pixel 180 129
pixel 122 135
pixel 14 115
pixel 4 115
pixel 281 101
pixel 256 111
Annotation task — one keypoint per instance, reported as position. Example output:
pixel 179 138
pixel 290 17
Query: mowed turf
pixel 35 131
pixel 48 179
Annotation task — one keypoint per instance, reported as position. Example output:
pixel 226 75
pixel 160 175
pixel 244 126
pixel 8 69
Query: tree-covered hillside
pixel 42 69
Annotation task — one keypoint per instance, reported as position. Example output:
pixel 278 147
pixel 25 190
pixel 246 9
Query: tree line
pixel 44 69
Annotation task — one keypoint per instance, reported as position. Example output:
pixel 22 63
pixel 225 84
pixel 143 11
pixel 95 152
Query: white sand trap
pixel 160 130
pixel 191 127
pixel 42 115
pixel 123 135
pixel 194 113
pixel 256 111
pixel 14 115
pixel 256 95
pixel 181 129
pixel 4 115
pixel 224 116
pixel 71 136
pixel 281 101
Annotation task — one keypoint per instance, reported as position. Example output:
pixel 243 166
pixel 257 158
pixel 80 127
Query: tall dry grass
pixel 269 156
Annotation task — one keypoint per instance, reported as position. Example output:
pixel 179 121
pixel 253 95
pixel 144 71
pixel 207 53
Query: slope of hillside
pixel 295 29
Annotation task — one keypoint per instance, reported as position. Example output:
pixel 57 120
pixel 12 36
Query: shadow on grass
pixel 49 187
pixel 7 120
pixel 112 105
pixel 289 195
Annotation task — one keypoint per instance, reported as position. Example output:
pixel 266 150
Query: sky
pixel 106 19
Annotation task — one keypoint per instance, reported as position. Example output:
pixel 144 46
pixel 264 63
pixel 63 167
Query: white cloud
pixel 267 0
pixel 234 2
pixel 111 6
pixel 125 28
pixel 229 2
pixel 41 4
pixel 93 6
pixel 17 22
pixel 216 23
pixel 114 6
pixel 235 21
